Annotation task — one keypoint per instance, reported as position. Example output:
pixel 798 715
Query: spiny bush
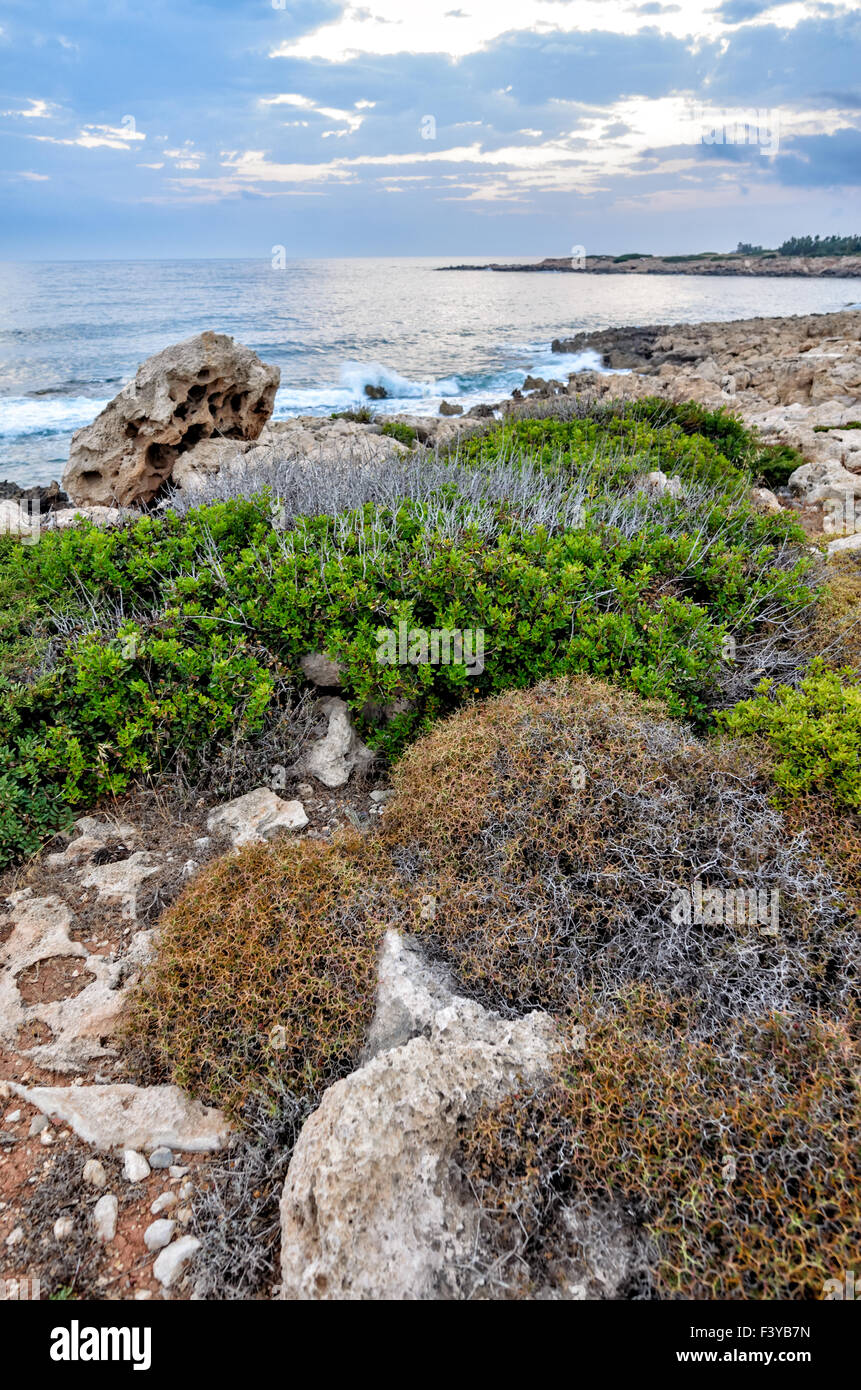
pixel 264 980
pixel 814 731
pixel 562 833
pixel 542 844
pixel 736 1163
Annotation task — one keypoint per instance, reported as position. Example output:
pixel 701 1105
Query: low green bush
pixel 814 731
pixel 404 434
pixel 130 652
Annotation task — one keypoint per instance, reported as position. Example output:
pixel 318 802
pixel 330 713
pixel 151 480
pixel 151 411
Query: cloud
pixel 37 110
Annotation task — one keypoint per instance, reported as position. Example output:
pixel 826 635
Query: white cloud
pixel 93 137
pixel 37 110
pixel 33 178
pixel 350 120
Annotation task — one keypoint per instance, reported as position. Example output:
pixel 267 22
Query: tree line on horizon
pixel 807 246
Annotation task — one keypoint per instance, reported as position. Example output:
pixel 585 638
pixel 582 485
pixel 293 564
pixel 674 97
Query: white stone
pixel 94 1173
pixel 332 758
pixel 135 1166
pixel 257 816
pixel 105 1217
pixel 159 1234
pixel 63 1227
pixel 170 1264
pixel 163 1203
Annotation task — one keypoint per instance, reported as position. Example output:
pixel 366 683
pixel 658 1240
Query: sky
pixel 522 128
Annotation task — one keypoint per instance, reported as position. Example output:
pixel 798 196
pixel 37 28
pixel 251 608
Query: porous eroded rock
pixel 204 387
pixel 372 1208
pixel 130 1117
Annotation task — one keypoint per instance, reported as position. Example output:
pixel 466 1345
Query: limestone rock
pixel 657 484
pixel 257 816
pixel 764 500
pixel 845 543
pixel 371 1208
pixel 321 669
pixel 171 1263
pixel 130 1117
pixel 332 758
pixel 191 391
pixel 105 1217
pixel 77 1026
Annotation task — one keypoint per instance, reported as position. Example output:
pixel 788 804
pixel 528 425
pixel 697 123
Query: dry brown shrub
pixel 265 973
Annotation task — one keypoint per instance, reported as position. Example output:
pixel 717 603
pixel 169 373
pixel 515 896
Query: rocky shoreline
pixel 775 266
pixel 198 412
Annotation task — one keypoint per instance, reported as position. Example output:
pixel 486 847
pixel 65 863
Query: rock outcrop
pixel 204 387
pixel 334 756
pixel 372 1207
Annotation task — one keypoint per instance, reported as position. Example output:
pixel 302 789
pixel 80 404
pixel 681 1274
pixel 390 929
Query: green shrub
pixel 224 605
pixel 814 731
pixel 774 464
pixel 405 434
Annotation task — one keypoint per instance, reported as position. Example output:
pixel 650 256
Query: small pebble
pixel 13 1117
pixel 46 1137
pixel 37 1125
pixel 135 1166
pixel 183 1214
pixel 186 1192
pixel 176 1172
pixel 15 1237
pixel 63 1227
pixel 94 1173
pixel 105 1216
pixel 171 1262
pixel 163 1203
pixel 161 1158
pixel 159 1234
pixel 142 1295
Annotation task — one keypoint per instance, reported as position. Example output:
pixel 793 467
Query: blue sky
pixel 424 127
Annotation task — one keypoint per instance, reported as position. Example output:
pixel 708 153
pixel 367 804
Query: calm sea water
pixel 73 333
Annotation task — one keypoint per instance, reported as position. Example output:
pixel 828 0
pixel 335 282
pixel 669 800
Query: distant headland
pixel 804 256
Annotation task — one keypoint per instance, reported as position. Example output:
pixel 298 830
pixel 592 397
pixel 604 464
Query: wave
pixel 26 415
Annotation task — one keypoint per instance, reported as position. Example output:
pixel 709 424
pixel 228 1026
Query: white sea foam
pixel 27 415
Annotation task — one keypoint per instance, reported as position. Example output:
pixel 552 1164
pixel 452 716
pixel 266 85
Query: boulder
pixel 206 386
pixel 372 1207
pixel 450 408
pixel 321 669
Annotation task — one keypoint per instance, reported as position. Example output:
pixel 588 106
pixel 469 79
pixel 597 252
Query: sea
pixel 73 333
